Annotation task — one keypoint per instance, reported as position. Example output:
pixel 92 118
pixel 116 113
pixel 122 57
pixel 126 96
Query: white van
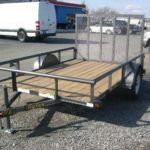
pixel 27 19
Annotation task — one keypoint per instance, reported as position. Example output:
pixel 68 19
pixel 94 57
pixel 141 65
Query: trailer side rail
pixel 59 51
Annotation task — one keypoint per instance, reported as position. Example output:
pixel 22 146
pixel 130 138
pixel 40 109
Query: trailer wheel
pixel 22 37
pixel 147 43
pixel 136 87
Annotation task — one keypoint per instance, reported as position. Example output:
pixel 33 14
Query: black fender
pixel 45 61
pixel 130 73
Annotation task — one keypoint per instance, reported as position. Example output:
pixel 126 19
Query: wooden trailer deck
pixel 73 91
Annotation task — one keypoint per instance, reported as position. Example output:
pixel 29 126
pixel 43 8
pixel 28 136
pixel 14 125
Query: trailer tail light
pixel 37 25
pixel 98 106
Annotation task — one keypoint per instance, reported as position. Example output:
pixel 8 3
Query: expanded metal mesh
pixel 116 39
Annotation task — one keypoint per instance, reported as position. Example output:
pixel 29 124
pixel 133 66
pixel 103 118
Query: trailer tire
pixel 147 43
pixel 22 36
pixel 136 87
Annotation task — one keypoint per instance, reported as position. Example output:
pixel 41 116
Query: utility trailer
pixel 80 75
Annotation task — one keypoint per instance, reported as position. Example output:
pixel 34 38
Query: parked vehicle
pixel 146 40
pixel 66 12
pixel 108 28
pixel 121 23
pixel 27 19
pixel 134 29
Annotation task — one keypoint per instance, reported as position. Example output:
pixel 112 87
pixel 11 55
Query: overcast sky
pixel 123 6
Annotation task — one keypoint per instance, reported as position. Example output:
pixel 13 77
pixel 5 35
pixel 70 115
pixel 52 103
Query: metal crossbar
pixel 73 79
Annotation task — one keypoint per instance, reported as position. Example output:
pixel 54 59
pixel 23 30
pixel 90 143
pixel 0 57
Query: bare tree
pixel 105 11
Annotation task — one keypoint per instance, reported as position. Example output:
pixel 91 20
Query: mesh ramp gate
pixel 109 39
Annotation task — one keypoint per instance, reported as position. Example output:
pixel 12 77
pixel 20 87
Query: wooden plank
pixel 68 89
pixel 77 74
pixel 87 72
pixel 48 70
pixel 102 86
pixel 64 83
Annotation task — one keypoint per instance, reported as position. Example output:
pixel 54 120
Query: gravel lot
pixel 121 124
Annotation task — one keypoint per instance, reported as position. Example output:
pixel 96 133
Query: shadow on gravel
pixel 43 128
pixel 118 110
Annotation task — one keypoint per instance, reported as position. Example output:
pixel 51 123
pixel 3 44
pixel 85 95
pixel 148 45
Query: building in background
pixel 66 13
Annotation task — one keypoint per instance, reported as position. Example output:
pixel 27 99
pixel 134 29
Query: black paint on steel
pixel 56 89
pixel 6 102
pixel 14 82
pixel 17 94
pixel 49 76
pixel 92 93
pixel 123 74
pixel 75 54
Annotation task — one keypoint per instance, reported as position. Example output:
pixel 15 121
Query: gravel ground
pixel 121 124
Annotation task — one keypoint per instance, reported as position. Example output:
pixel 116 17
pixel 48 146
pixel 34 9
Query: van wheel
pixel 22 37
pixel 136 87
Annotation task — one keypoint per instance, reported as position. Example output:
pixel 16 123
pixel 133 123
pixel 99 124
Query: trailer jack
pixel 7 111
